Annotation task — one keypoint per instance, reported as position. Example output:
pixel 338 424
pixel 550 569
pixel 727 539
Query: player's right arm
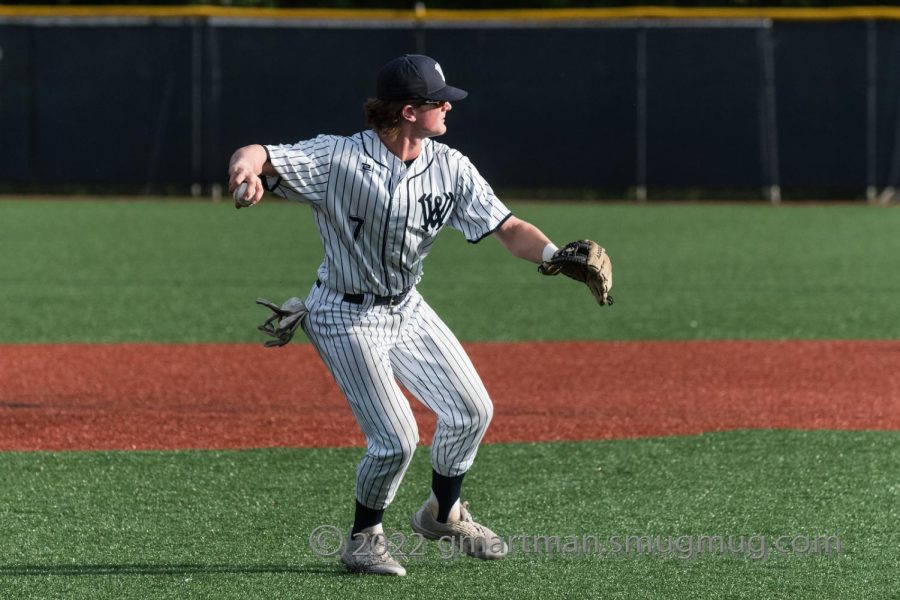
pixel 247 164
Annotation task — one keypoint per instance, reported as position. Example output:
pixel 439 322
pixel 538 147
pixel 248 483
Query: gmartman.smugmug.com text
pixel 328 541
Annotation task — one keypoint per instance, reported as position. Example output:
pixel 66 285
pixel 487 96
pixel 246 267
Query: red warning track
pixel 151 396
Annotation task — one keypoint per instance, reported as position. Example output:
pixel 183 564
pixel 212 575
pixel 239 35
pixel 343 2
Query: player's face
pixel 430 118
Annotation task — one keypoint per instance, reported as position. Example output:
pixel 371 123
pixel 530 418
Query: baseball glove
pixel 584 261
pixel 284 321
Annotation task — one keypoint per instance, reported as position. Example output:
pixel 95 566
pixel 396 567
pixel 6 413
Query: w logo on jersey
pixel 435 210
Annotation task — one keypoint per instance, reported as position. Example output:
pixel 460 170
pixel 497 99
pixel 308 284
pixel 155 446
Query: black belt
pixel 379 300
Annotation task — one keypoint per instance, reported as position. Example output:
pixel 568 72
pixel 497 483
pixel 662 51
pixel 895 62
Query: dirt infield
pixel 151 396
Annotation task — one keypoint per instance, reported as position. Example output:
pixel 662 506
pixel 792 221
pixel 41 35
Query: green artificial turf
pixel 236 524
pixel 181 271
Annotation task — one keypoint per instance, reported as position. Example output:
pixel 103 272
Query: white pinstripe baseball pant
pixel 368 348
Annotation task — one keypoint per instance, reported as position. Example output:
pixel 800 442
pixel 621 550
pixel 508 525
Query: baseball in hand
pixel 239 196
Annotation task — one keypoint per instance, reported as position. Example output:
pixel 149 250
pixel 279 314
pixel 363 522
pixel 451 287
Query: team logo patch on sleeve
pixel 435 210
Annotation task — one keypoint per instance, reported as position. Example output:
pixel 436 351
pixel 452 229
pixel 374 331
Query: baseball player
pixel 379 199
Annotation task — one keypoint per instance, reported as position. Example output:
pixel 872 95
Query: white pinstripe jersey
pixel 377 217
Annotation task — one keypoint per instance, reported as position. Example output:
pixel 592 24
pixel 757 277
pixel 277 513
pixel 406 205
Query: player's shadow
pixel 81 570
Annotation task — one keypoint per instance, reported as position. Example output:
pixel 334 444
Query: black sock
pixel 446 490
pixel 366 517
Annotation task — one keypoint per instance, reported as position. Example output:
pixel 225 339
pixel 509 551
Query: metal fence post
pixel 641 66
pixel 871 111
pixel 196 107
pixel 768 113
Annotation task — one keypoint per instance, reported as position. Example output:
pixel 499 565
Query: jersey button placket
pixel 390 256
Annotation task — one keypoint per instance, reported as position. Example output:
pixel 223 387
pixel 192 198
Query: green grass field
pixel 189 272
pixel 236 524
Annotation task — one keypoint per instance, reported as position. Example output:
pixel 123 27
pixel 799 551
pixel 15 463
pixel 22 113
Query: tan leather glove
pixel 584 261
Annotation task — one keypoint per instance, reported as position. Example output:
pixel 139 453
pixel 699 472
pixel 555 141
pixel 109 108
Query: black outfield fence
pixel 631 103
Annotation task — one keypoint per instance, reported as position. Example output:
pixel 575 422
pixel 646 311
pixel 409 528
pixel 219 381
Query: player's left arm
pixel 584 260
pixel 480 213
pixel 522 239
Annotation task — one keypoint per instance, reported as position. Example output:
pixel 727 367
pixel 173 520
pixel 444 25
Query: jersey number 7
pixel 358 228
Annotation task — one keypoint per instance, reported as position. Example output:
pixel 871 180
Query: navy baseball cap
pixel 415 77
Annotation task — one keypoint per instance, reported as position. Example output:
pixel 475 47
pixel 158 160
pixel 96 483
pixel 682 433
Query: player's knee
pixel 479 417
pixel 408 447
pixel 486 413
pixel 400 448
pixel 391 440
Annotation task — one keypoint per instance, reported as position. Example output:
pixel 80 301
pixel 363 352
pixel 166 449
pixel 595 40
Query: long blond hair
pixel 384 115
